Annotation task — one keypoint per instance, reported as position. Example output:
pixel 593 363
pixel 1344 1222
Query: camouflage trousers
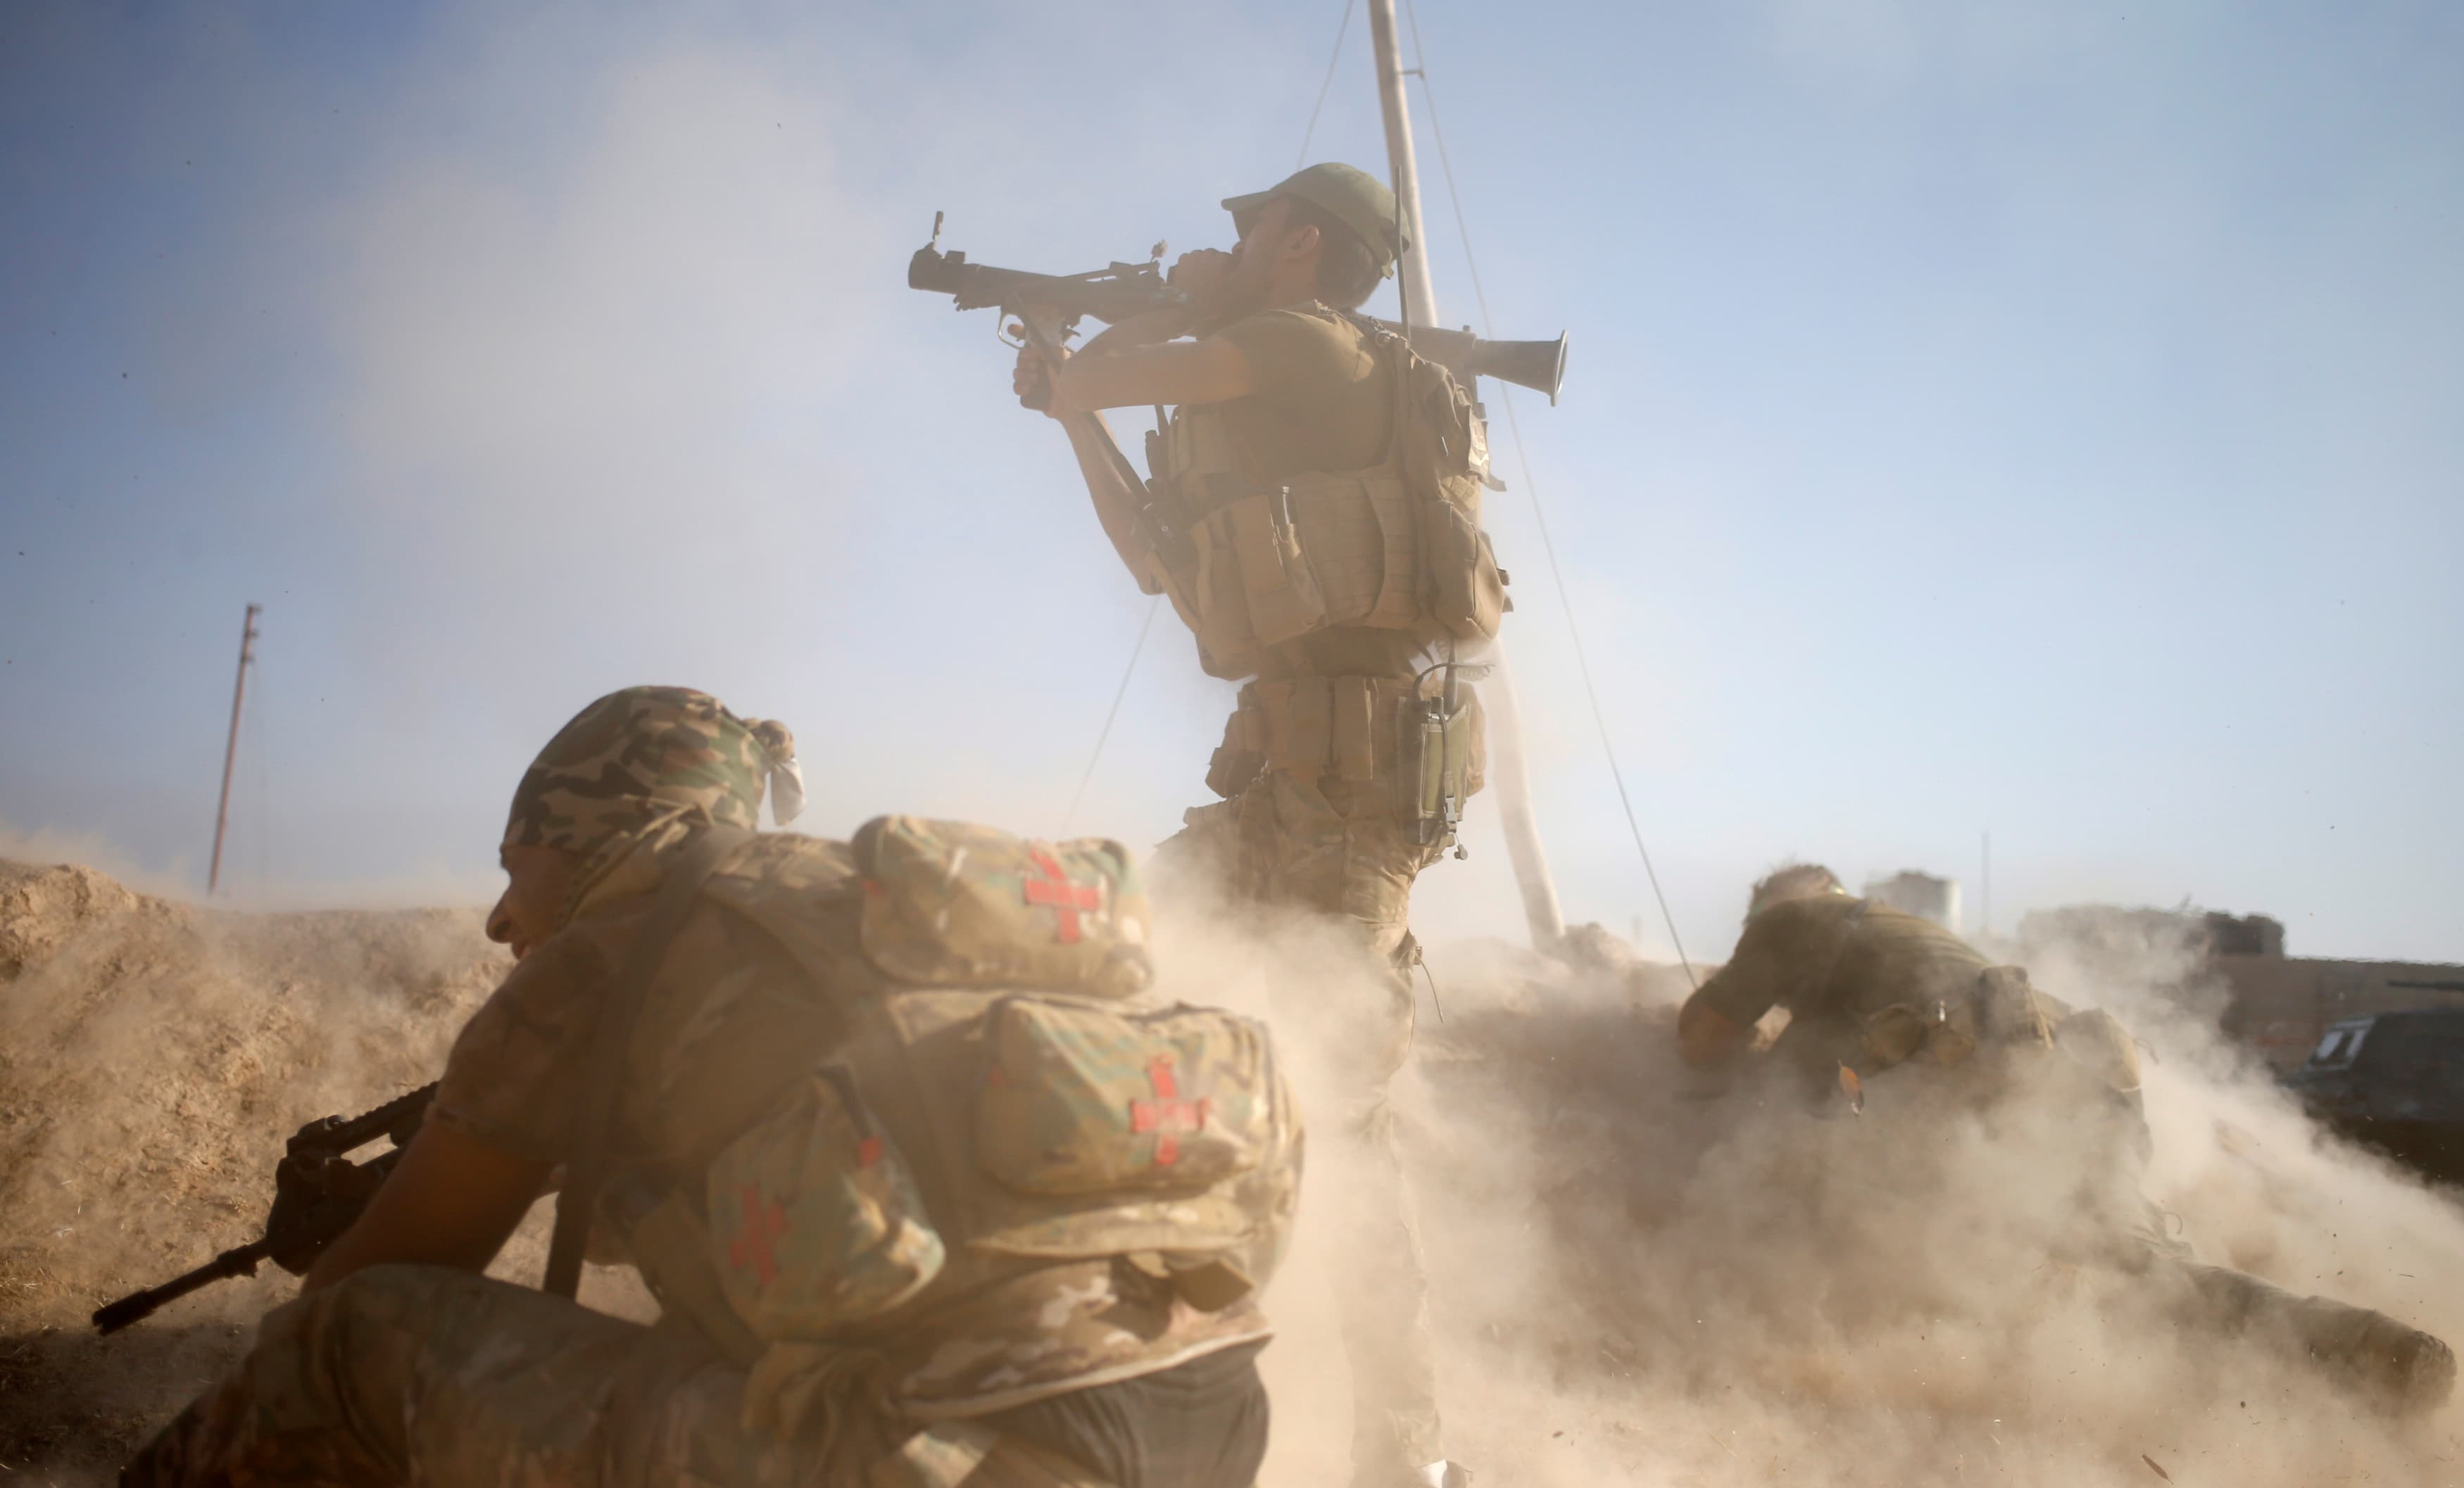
pixel 2391 1367
pixel 422 1374
pixel 2097 1172
pixel 1336 850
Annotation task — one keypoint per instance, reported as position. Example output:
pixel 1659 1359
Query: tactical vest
pixel 1005 1099
pixel 1394 546
pixel 2001 1011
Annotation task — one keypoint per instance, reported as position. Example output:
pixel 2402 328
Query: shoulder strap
pixel 1397 352
pixel 587 1172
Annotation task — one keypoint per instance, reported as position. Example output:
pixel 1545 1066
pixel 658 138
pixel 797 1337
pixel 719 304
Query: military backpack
pixel 1007 1096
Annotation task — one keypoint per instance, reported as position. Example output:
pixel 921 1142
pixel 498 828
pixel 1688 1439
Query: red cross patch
pixel 1055 888
pixel 1167 1113
pixel 764 1221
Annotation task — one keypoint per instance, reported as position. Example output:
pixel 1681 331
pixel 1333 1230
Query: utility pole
pixel 231 750
pixel 1541 910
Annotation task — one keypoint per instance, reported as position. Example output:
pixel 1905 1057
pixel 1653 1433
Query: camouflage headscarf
pixel 642 754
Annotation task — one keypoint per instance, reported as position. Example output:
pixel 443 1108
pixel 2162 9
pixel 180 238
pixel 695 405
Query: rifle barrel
pixel 243 1261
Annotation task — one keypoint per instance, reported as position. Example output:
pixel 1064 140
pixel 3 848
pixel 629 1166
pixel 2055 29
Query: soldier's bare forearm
pixel 1706 1037
pixel 1173 373
pixel 1168 324
pixel 450 1202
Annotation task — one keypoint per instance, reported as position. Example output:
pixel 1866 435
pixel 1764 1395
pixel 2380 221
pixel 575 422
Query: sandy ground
pixel 1636 1279
pixel 153 1059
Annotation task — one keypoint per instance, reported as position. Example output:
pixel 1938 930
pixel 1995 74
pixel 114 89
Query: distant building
pixel 1920 894
pixel 2202 933
pixel 2281 1005
pixel 2277 1005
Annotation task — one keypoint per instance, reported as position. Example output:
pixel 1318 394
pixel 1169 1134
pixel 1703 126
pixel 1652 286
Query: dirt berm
pixel 1638 1279
pixel 153 1059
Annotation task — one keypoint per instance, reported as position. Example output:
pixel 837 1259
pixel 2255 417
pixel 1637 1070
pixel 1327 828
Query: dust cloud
pixel 1643 1275
pixel 153 1059
pixel 1638 1275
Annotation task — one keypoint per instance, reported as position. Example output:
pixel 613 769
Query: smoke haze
pixel 511 353
pixel 1636 1274
pixel 1637 1279
pixel 1977 419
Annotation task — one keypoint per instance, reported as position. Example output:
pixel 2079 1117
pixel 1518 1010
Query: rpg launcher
pixel 317 1193
pixel 1119 290
pixel 1110 294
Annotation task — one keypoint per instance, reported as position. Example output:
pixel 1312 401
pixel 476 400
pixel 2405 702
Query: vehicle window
pixel 2341 1047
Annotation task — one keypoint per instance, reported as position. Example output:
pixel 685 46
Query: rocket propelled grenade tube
pixel 1110 294
pixel 1116 292
pixel 1539 366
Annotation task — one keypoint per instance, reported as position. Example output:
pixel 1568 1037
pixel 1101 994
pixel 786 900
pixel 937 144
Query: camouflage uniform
pixel 1311 581
pixel 998 1367
pixel 1925 1022
pixel 1340 851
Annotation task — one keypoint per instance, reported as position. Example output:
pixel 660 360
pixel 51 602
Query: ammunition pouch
pixel 1943 1030
pixel 1274 564
pixel 2008 1010
pixel 1466 594
pixel 1394 546
pixel 1441 446
pixel 2095 1042
pixel 1234 763
pixel 2001 1010
pixel 1430 756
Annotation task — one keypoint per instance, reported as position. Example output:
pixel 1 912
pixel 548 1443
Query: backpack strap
pixel 587 1171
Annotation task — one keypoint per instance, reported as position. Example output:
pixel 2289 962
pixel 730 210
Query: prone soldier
pixel 1897 1010
pixel 927 1187
pixel 1319 485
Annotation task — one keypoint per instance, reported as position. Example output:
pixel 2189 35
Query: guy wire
pixel 1310 133
pixel 1532 488
pixel 1111 714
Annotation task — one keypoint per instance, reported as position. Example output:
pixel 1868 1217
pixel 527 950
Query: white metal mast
pixel 1508 776
pixel 1420 297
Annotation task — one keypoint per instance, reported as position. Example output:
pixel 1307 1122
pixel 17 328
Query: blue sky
pixel 2032 417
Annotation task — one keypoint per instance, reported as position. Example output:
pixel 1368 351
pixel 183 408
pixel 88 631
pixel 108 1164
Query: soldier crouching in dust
pixel 929 1192
pixel 1878 998
pixel 1317 488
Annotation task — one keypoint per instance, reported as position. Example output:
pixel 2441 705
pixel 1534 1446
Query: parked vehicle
pixel 2393 1081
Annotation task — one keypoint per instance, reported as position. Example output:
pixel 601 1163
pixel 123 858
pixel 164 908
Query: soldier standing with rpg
pixel 1314 518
